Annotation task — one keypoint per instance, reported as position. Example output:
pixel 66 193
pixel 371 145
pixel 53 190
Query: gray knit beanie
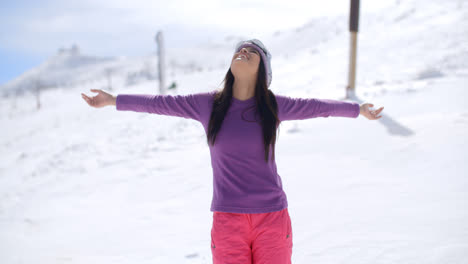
pixel 264 53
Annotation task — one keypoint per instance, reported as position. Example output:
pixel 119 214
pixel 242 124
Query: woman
pixel 251 223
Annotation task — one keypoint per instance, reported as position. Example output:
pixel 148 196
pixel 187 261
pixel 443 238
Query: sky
pixel 32 31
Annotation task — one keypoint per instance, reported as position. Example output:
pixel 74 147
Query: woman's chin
pixel 238 62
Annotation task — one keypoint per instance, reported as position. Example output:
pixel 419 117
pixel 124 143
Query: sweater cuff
pixel 118 103
pixel 358 109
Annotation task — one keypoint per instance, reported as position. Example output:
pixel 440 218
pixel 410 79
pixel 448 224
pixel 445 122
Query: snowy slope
pixel 69 69
pixel 85 185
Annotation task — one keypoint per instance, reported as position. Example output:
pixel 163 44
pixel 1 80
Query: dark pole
pixel 353 28
pixel 354 16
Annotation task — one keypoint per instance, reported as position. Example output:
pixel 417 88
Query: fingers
pixel 95 90
pixel 87 99
pixel 374 113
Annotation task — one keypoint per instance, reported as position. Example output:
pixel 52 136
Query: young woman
pixel 251 223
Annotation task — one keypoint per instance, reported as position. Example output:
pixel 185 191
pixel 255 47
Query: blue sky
pixel 13 61
pixel 12 64
pixel 32 31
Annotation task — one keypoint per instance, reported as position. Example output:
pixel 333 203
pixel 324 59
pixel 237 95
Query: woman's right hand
pixel 102 99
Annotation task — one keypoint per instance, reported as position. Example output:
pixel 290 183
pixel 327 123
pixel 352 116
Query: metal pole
pixel 161 69
pixel 353 28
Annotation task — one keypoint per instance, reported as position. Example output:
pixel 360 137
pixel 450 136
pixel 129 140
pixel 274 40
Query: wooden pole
pixel 353 28
pixel 350 91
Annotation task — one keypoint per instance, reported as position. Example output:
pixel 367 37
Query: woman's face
pixel 245 62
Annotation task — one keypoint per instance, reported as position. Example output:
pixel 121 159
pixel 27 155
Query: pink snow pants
pixel 251 238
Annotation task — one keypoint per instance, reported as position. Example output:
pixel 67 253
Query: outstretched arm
pixel 290 108
pixel 187 106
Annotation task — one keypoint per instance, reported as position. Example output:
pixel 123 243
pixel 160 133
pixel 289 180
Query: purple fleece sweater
pixel 242 181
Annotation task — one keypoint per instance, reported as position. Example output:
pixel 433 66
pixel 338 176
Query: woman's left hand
pixel 370 114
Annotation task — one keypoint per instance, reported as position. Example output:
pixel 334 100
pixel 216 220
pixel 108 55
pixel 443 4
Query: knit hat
pixel 264 53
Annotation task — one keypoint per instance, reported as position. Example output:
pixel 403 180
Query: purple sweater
pixel 242 181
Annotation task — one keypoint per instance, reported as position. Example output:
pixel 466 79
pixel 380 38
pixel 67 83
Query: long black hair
pixel 266 106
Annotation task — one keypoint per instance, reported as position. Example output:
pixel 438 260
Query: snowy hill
pixel 70 69
pixel 85 185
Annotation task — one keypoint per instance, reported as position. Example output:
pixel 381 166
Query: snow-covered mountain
pixel 70 68
pixel 86 185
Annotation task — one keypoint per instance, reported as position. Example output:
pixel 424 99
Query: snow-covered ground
pixel 85 185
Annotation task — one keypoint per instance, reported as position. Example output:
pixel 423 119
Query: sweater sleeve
pixel 303 108
pixel 186 106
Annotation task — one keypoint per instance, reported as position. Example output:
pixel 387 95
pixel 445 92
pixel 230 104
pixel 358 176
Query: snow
pixel 86 185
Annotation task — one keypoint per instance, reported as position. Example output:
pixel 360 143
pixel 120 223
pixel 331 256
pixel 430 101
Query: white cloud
pixel 121 27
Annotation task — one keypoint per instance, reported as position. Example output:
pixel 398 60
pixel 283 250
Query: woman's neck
pixel 243 89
